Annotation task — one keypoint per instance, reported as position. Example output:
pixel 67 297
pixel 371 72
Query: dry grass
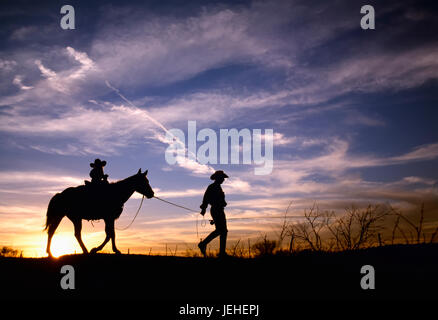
pixel 354 229
pixel 10 252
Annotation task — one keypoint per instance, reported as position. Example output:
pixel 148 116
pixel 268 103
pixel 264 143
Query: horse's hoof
pixel 93 251
pixel 117 252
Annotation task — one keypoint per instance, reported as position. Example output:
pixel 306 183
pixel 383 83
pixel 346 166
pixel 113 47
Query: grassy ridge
pixel 402 272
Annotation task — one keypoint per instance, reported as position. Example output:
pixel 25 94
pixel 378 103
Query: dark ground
pixel 402 273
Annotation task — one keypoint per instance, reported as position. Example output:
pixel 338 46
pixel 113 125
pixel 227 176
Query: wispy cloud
pixel 94 130
pixel 42 183
pixel 18 82
pixel 425 152
pixel 7 65
pixel 356 118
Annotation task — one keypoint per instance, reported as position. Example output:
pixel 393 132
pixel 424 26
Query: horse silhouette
pixel 94 203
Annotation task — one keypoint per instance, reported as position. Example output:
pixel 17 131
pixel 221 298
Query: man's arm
pixel 205 200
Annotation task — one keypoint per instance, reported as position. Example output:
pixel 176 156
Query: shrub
pixel 265 247
pixel 8 252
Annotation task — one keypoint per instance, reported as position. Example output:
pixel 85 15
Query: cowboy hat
pixel 218 174
pixel 98 163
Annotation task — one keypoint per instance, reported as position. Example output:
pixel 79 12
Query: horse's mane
pixel 112 184
pixel 122 180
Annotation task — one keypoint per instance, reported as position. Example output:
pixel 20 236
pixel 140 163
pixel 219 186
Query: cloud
pixel 356 118
pixel 93 130
pixel 36 187
pixel 9 177
pixel 7 65
pixel 333 174
pixel 389 70
pixel 281 140
pixel 337 159
pixel 180 193
pixel 69 84
pixel 18 82
pixel 23 33
pixel 49 74
pixel 334 186
pixel 86 63
pixel 64 81
pixel 160 50
pixel 425 152
pixel 413 180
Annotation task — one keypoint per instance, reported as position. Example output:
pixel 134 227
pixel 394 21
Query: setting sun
pixel 63 244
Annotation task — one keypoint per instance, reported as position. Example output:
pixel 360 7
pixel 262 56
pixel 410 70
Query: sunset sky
pixel 354 112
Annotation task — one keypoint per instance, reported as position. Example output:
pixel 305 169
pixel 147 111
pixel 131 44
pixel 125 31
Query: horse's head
pixel 142 184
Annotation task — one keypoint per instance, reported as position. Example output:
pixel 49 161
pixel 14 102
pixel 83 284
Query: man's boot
pixel 203 247
pixel 223 245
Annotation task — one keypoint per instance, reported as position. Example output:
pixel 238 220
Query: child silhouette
pixel 96 174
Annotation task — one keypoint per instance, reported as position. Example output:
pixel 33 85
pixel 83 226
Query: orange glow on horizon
pixel 63 244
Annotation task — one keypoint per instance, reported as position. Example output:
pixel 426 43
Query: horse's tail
pixel 55 211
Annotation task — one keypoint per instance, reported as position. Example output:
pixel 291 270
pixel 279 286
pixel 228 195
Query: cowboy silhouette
pixel 215 197
pixel 96 174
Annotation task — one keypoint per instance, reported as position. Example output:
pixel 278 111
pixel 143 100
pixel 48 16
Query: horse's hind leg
pixel 51 231
pixel 77 222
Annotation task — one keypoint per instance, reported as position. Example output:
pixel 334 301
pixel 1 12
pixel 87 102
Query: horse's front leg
pixel 77 222
pixel 94 250
pixel 107 238
pixel 112 233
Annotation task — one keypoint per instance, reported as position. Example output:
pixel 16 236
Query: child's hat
pixel 98 163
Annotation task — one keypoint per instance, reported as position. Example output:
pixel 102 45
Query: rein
pixel 138 210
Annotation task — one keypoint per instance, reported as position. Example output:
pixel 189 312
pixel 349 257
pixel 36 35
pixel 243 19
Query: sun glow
pixel 63 244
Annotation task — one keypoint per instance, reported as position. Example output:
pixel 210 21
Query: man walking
pixel 215 197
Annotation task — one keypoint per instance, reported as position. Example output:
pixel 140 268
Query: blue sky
pixel 353 111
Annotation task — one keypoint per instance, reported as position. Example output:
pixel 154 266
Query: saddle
pixel 96 184
pixel 97 199
pixel 96 189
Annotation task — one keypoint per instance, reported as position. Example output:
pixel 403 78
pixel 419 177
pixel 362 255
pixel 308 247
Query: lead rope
pixel 188 209
pixel 171 203
pixel 202 225
pixel 138 210
pixel 176 205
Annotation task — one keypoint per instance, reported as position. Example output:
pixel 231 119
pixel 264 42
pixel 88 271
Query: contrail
pixel 156 122
pixel 159 124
